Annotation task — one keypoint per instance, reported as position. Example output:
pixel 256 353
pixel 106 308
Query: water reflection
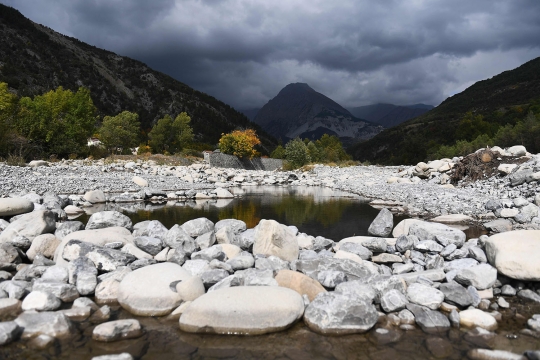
pixel 315 211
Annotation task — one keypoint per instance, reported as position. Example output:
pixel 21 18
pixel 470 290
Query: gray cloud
pixel 356 52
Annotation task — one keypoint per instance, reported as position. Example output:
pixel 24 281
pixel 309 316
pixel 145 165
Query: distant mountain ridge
pixel 502 99
pixel 35 59
pixel 389 115
pixel 300 111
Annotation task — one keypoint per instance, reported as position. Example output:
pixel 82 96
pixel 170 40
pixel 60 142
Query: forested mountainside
pixel 35 59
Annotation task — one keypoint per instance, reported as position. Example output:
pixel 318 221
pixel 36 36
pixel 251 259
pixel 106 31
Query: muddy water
pixel 315 211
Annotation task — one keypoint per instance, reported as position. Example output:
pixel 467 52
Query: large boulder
pixel 425 295
pixel 99 237
pixel 53 324
pixel 430 321
pixel 236 226
pixel 337 314
pixel 482 276
pixel 30 225
pixel 402 228
pixel 105 219
pixel 248 310
pixel 499 225
pixel 272 238
pixel 151 290
pixel 441 233
pixel 515 254
pixel 15 206
pixel 197 227
pixel 302 284
pixel 382 225
pixel 45 245
pixel 150 228
pixel 95 197
pixel 477 318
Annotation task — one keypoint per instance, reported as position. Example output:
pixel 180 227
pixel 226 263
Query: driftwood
pixel 481 165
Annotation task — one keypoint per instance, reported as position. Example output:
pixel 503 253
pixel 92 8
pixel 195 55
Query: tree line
pixel 60 122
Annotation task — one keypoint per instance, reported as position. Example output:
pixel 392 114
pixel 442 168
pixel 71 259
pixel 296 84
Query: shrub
pixel 240 143
pixel 297 153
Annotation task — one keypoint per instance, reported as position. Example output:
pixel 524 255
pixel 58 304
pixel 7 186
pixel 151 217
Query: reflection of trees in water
pixel 305 209
pixel 247 211
pixel 168 215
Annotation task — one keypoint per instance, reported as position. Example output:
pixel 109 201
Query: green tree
pixel 8 111
pixel 183 131
pixel 59 121
pixel 315 154
pixel 161 136
pixel 470 127
pixel 120 131
pixel 331 149
pixel 278 153
pixel 297 153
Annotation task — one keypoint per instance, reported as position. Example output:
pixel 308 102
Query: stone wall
pixel 233 162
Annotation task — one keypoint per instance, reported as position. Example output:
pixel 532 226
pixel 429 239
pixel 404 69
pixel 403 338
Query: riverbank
pixel 396 188
pixel 94 281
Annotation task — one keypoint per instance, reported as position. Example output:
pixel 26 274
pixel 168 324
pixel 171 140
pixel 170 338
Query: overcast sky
pixel 357 52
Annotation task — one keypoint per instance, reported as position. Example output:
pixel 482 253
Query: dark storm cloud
pixel 356 52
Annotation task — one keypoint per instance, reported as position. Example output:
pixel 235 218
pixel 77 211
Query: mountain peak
pixel 299 110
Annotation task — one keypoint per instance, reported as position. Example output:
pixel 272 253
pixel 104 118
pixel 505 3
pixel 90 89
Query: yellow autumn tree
pixel 240 143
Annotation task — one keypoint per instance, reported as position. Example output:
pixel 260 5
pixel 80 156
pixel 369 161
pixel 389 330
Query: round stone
pixel 15 206
pixel 246 310
pixel 151 290
pixel 477 318
pixel 515 254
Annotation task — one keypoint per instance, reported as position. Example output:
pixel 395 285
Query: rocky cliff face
pixel 35 59
pixel 300 111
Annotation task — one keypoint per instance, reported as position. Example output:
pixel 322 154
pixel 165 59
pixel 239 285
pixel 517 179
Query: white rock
pixel 95 196
pixel 40 301
pixel 54 324
pixel 73 210
pixel 257 310
pixel 272 238
pixel 15 206
pixel 98 237
pixel 477 318
pixel 223 194
pixel 518 150
pixel 509 213
pixel 147 291
pixel 45 245
pixel 506 168
pixel 402 228
pixel 515 254
pixel 140 181
pixel 117 330
pixel 425 295
pixel 30 225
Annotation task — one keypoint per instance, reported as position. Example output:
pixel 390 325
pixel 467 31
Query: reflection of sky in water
pixel 314 210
